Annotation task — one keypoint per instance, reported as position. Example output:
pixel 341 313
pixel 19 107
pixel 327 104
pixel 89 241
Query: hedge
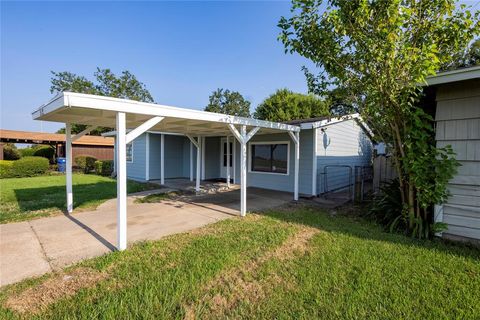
pixel 86 163
pixel 6 167
pixel 10 152
pixel 104 168
pixel 27 152
pixel 44 151
pixel 24 167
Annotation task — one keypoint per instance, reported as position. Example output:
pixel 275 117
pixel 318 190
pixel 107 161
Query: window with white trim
pixel 269 158
pixel 129 152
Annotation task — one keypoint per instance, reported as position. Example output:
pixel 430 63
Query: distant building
pixel 95 146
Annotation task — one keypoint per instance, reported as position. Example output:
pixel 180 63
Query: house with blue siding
pixel 330 149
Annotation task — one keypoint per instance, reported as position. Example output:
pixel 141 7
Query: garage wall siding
pixel 344 143
pixel 458 124
pixel 136 168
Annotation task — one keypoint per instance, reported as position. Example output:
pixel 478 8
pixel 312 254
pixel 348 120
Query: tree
pixel 285 105
pixel 467 58
pixel 228 102
pixel 380 51
pixel 125 86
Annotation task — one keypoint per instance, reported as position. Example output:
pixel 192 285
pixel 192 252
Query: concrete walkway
pixel 35 247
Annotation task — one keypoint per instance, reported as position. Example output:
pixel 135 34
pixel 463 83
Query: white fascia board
pixel 80 100
pixel 454 76
pixel 114 133
pixel 327 122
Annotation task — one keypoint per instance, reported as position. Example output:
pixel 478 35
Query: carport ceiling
pixel 101 111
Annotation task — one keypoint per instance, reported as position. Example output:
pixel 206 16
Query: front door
pixel 223 158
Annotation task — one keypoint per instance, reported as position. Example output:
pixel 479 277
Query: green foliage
pixel 24 167
pixel 85 163
pixel 10 152
pixel 285 105
pixel 468 58
pixel 6 168
pixel 125 86
pixel 378 52
pixel 27 152
pixel 104 167
pixel 228 102
pixel 44 151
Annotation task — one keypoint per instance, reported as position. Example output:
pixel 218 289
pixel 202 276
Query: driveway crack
pixel 44 253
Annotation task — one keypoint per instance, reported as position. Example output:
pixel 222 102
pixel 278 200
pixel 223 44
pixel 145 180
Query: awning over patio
pixel 132 118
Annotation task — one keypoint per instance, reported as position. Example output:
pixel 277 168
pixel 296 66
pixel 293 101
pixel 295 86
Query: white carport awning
pixel 132 118
pixel 92 110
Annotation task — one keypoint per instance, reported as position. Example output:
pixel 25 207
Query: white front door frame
pixel 223 170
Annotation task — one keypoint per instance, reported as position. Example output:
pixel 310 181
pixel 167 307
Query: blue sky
pixel 182 51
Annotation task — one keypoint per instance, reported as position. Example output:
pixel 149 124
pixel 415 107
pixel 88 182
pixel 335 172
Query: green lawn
pixel 27 198
pixel 295 264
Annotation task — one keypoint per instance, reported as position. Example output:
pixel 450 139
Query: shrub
pixel 10 152
pixel 104 168
pixel 6 168
pixel 86 163
pixel 27 152
pixel 25 167
pixel 45 152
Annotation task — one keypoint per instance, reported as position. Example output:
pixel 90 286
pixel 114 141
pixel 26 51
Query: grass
pixel 27 198
pixel 297 263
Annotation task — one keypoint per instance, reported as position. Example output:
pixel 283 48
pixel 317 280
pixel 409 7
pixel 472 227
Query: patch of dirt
pixel 243 283
pixel 61 285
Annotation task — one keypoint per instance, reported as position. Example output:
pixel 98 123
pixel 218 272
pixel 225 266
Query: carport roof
pixel 69 107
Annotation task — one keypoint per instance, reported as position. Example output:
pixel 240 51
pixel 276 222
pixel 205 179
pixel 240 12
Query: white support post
pixel 147 156
pixel 191 161
pixel 296 139
pixel 162 159
pixel 314 163
pixel 199 155
pixel 228 162
pixel 243 172
pixel 202 147
pixel 68 169
pixel 121 182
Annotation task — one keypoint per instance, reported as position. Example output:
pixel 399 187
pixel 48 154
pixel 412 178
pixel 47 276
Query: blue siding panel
pixel 136 168
pixel 173 156
pixel 212 158
pixel 343 143
pixel 155 155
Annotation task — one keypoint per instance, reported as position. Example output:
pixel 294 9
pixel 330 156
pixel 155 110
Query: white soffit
pixel 454 76
pixel 101 111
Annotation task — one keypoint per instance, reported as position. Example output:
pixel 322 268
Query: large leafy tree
pixel 106 83
pixel 228 102
pixel 380 51
pixel 467 58
pixel 285 105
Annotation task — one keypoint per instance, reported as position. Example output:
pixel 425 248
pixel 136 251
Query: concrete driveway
pixel 43 245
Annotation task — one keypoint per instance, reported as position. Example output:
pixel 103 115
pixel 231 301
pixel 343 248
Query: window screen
pixel 270 158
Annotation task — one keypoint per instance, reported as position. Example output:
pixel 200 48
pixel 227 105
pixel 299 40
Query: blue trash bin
pixel 62 164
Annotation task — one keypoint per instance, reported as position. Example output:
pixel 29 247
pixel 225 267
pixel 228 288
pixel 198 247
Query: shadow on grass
pixel 364 229
pixel 54 197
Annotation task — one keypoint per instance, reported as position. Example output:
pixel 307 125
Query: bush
pixel 27 152
pixel 24 167
pixel 10 152
pixel 104 168
pixel 45 152
pixel 6 168
pixel 86 163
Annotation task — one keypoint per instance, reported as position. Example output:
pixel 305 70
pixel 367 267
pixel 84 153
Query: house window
pixel 130 152
pixel 269 158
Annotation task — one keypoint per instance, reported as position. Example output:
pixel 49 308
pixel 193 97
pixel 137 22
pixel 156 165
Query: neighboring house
pixel 95 146
pixel 453 98
pixel 329 151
